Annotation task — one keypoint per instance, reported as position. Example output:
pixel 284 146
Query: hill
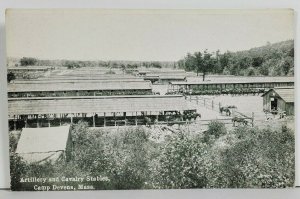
pixel 271 59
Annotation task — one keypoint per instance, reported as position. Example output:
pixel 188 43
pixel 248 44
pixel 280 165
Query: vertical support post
pixel 125 120
pixel 49 125
pixel 94 123
pixel 26 123
pixel 212 104
pixel 252 119
pixel 37 121
pixel 135 118
pixel 104 121
pixel 197 98
pixel 15 124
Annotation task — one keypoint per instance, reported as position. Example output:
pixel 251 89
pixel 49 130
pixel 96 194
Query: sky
pixel 140 35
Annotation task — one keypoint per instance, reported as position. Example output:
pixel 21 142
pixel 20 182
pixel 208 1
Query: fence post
pixel 94 122
pixel 252 119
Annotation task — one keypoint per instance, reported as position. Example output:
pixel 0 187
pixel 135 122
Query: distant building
pixel 162 76
pixel 279 100
pixel 78 88
pixel 227 83
pixel 40 145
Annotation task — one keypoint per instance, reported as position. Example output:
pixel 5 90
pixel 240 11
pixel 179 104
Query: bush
pixel 183 163
pixel 258 158
pixel 18 169
pixel 129 159
pixel 10 76
pixel 215 130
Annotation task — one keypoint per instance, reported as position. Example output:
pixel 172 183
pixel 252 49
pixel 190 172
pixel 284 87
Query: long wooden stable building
pixel 162 76
pixel 97 111
pixel 232 83
pixel 23 69
pixel 78 88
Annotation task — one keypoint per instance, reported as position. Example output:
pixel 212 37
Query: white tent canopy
pixel 38 145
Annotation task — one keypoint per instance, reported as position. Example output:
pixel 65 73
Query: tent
pixel 39 145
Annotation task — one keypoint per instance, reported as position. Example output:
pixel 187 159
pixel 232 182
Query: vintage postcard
pixel 150 99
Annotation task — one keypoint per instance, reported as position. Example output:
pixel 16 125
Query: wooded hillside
pixel 272 59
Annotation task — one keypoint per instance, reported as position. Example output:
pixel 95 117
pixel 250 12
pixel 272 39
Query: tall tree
pixel 27 61
pixel 199 62
pixel 207 63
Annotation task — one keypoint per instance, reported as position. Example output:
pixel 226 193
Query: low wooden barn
pixel 279 100
pixel 40 145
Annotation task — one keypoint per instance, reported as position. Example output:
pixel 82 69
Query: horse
pixel 196 115
pixel 147 121
pixel 226 110
pixel 188 116
pixel 239 120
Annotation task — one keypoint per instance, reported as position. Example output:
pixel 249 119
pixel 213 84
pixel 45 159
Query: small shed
pixel 39 145
pixel 279 100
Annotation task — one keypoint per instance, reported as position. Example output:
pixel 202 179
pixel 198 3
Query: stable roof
pixel 75 86
pixel 287 94
pixel 54 81
pixel 95 104
pixel 237 80
pixel 30 68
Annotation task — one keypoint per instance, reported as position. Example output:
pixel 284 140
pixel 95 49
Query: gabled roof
pixel 287 93
pixel 30 68
pixel 74 86
pixel 236 80
pixel 101 104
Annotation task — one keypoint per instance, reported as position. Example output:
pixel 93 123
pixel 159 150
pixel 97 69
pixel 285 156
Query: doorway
pixel 274 104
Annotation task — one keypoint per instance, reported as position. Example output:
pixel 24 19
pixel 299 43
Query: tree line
pixel 31 61
pixel 269 60
pixel 272 59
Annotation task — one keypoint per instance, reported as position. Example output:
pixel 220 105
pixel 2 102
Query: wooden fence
pixel 215 106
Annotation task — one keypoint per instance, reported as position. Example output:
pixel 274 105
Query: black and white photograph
pixel 112 99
